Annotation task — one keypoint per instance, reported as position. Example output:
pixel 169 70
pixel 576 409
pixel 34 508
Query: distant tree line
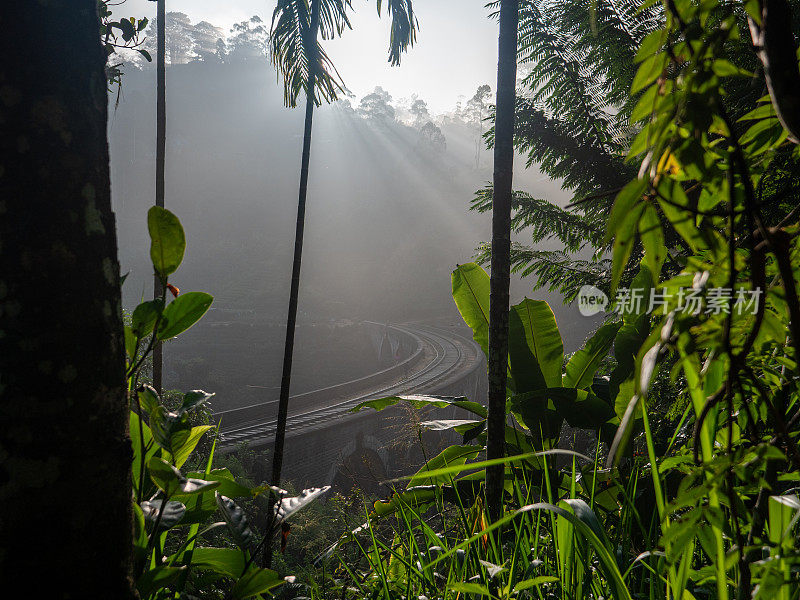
pixel 205 42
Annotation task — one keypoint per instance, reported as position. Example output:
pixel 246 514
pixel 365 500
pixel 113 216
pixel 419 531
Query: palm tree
pixel 501 244
pixel 304 66
pixel 62 363
pixel 161 143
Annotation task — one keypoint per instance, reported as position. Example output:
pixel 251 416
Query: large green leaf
pixel 140 439
pixel 534 345
pixel 182 313
pixel 256 581
pixel 414 497
pixel 236 520
pixel 130 342
pixel 287 506
pixel 195 398
pixel 171 514
pixel 171 481
pixel 228 486
pixel 535 412
pixel 629 339
pixel 624 204
pixel 425 401
pixel 471 295
pixel 144 317
pixel 452 455
pixel 584 363
pixel 182 452
pixel 170 430
pixel 157 578
pixel 167 241
pixel 580 408
pixel 225 561
pixel 784 512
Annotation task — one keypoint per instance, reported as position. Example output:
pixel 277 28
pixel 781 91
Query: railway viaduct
pixel 326 443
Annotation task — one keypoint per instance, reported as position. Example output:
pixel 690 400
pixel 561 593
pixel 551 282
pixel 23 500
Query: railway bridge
pixel 326 443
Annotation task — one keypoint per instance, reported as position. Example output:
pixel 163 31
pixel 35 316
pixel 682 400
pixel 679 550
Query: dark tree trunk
pixel 161 147
pixel 501 249
pixel 777 50
pixel 291 320
pixel 65 454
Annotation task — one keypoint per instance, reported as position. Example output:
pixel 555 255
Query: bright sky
pixel 456 49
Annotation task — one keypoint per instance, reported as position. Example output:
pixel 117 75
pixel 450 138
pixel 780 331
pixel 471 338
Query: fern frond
pixel 545 220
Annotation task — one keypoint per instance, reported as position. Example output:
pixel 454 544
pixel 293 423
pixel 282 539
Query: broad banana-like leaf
pixel 471 295
pixel 425 401
pixel 535 348
pixel 584 363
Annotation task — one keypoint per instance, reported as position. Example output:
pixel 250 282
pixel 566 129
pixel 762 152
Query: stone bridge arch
pixel 363 462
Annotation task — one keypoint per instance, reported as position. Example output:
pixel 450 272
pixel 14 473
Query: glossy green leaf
pixel 228 486
pixel 225 561
pixel 195 399
pixel 183 451
pixel 148 398
pixel 157 578
pixel 288 506
pixel 584 363
pixel 535 347
pixel 650 69
pixel 424 402
pixel 629 197
pixel 182 313
pixel 652 236
pixel 167 241
pixel 144 317
pixel 624 241
pixel 171 481
pixel 256 581
pixel 141 439
pixel 170 430
pixel 130 343
pixel 452 455
pixel 236 520
pixel 171 515
pixel 471 294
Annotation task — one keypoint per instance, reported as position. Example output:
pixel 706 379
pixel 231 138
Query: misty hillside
pixel 386 223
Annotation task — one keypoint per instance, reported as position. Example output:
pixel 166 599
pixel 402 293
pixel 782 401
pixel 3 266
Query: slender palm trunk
pixel 65 481
pixel 283 404
pixel 161 143
pixel 501 249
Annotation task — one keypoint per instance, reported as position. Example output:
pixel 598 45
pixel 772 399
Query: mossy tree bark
pixel 65 494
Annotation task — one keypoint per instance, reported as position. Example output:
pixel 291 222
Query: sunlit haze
pixel 455 52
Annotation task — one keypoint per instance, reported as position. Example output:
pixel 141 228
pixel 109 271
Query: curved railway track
pixel 440 356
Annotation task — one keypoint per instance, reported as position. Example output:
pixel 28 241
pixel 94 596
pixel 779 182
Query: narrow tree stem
pixel 161 145
pixel 501 250
pixel 291 320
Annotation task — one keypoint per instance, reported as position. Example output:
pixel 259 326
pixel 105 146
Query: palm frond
pixel 295 48
pixel 404 27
